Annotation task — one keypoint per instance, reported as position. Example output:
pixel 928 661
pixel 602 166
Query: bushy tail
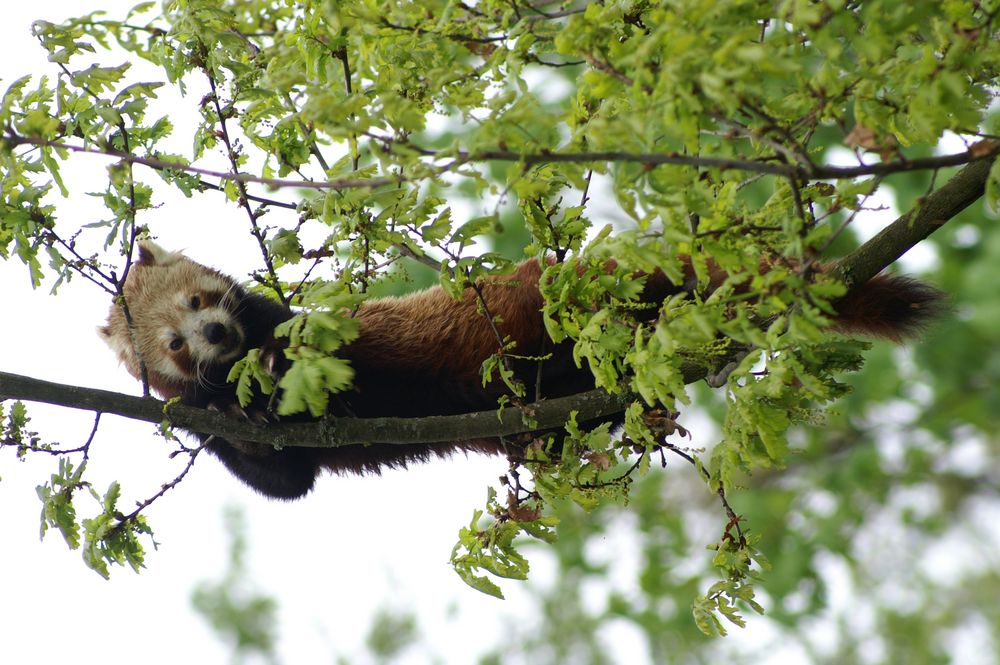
pixel 890 306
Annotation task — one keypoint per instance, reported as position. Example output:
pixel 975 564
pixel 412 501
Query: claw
pixel 259 417
pixel 272 359
pixel 232 408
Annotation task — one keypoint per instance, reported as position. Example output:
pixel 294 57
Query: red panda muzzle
pixel 215 333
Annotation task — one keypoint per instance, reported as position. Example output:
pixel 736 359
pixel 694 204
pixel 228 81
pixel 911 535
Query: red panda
pixel 417 355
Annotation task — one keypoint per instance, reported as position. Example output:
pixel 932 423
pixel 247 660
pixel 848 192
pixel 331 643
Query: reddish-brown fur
pixel 431 332
pixel 418 355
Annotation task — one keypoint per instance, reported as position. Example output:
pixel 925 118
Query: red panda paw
pixel 232 408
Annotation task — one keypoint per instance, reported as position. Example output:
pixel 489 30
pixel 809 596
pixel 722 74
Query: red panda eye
pixel 195 302
pixel 176 343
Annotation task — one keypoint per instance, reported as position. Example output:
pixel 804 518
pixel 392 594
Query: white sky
pixel 353 545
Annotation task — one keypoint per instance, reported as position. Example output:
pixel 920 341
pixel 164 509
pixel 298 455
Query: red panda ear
pixel 147 253
pixel 104 332
pixel 122 347
pixel 151 254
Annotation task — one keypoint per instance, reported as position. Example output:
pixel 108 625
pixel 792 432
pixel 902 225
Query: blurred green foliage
pixel 242 615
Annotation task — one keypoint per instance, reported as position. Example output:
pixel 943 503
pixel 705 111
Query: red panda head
pixel 183 320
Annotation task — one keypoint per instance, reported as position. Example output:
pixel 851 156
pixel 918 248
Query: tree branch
pixel 983 151
pixel 805 172
pixel 548 414
pixel 931 214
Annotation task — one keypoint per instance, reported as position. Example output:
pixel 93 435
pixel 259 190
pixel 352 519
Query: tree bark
pixel 893 241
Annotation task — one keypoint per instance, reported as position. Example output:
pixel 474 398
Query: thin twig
pixel 166 487
pixel 253 215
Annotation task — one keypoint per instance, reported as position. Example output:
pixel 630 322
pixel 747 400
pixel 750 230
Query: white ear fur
pixel 151 254
pixel 104 332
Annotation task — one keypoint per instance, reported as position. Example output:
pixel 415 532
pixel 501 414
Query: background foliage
pixel 356 139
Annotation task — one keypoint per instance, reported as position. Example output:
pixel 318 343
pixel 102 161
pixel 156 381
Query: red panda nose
pixel 214 332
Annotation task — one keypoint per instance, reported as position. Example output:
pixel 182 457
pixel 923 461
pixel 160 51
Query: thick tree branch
pixel 857 268
pixel 547 414
pixel 933 211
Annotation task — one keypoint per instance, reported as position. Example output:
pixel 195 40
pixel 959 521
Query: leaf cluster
pixel 109 538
